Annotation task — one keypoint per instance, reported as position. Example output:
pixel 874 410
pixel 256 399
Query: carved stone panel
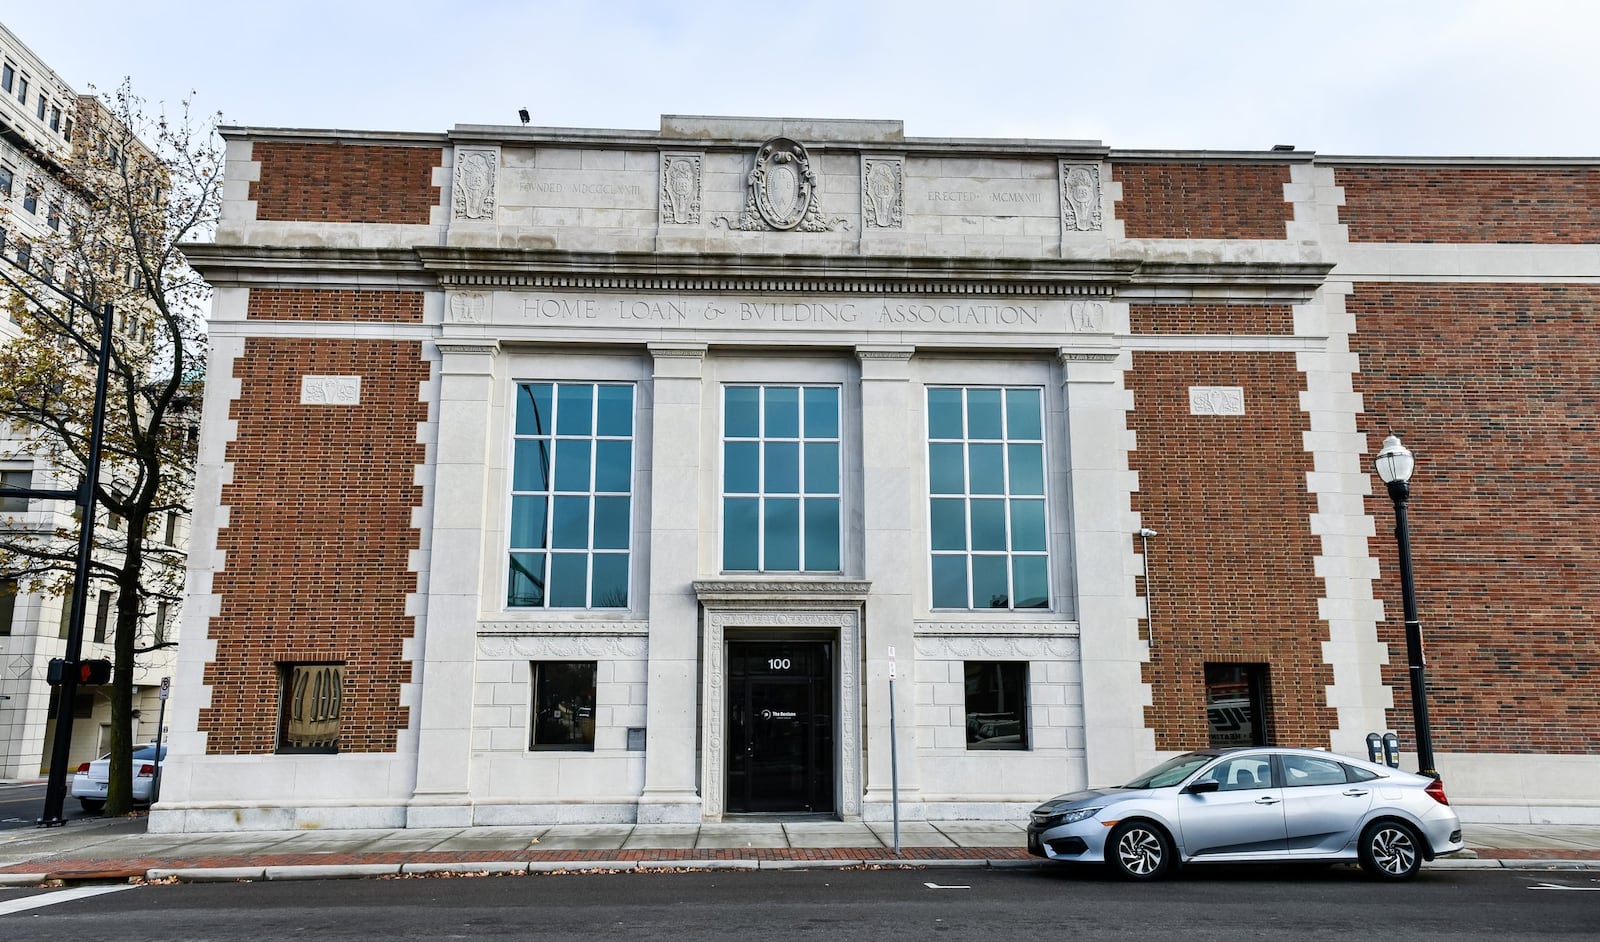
pixel 680 188
pixel 468 307
pixel 883 192
pixel 477 170
pixel 1088 316
pixel 781 193
pixel 330 390
pixel 1216 400
pixel 1080 197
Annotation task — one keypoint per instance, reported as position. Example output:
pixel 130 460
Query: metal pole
pixel 161 724
pixel 55 793
pixel 1400 492
pixel 894 768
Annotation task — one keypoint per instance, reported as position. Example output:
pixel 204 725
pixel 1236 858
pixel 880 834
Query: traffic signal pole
pixel 55 793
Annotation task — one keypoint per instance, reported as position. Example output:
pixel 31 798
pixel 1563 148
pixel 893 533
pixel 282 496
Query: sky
pixel 1430 77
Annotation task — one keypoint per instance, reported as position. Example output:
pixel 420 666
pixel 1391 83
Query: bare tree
pixel 135 188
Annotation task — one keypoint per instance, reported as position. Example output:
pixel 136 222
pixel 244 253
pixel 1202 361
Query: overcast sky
pixel 1442 77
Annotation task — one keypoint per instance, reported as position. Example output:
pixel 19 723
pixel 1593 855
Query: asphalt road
pixel 832 905
pixel 22 805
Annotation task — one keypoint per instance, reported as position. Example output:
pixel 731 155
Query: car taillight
pixel 83 769
pixel 148 769
pixel 1435 791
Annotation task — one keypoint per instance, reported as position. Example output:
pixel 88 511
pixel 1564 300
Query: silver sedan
pixel 1250 805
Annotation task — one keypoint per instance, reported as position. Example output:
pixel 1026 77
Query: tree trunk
pixel 119 792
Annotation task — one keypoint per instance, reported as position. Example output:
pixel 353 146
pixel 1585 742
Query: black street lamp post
pixel 1395 464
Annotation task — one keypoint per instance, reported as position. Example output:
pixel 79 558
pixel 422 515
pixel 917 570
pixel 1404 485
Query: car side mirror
pixel 1202 787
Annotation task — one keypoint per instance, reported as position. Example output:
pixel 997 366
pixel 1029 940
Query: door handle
pixel 1267 800
pixel 1355 793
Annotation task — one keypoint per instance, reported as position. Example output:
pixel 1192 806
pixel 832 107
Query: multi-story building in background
pixel 40 126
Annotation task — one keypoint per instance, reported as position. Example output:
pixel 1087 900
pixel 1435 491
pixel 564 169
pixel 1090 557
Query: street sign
pixel 166 687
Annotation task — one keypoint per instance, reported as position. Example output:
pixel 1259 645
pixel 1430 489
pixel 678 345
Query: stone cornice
pixel 727 593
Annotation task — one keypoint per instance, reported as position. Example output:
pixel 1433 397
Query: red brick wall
pixel 1232 569
pixel 319 529
pixel 1471 204
pixel 1497 389
pixel 317 304
pixel 1203 201
pixel 1215 319
pixel 304 182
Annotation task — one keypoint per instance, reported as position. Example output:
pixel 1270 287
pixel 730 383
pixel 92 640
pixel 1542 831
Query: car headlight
pixel 1054 819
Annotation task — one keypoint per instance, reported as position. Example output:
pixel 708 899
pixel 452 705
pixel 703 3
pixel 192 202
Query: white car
pixel 90 784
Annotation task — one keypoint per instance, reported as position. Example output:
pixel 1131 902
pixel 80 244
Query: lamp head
pixel 1395 462
pixel 523 114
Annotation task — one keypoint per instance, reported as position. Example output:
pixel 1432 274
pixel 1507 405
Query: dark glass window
pixel 1236 698
pixel 43 104
pixel 8 604
pixel 1311 770
pixel 6 177
pixel 30 199
pixel 15 505
pixel 311 699
pixel 55 119
pixel 997 704
pixel 22 90
pixel 563 706
pixel 8 76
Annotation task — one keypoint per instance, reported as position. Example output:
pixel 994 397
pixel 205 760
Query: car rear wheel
pixel 1390 851
pixel 1139 850
pixel 92 805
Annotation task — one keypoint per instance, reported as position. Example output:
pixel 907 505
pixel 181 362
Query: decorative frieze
pixel 995 647
pixel 554 647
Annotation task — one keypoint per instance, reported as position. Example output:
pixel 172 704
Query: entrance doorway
pixel 780 727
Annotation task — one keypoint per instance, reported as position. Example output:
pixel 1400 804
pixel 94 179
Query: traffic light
pixel 90 673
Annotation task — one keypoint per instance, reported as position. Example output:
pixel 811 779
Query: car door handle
pixel 1355 793
pixel 1267 800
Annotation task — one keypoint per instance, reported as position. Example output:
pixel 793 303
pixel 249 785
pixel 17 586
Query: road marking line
pixel 935 886
pixel 58 896
pixel 1557 886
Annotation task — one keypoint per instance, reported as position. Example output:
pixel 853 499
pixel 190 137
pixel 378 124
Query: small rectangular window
pixel 160 631
pixel 55 118
pixel 102 616
pixel 6 176
pixel 15 505
pixel 30 199
pixel 44 103
pixel 8 76
pixel 563 706
pixel 1236 699
pixel 22 89
pixel 66 130
pixel 311 700
pixel 53 216
pixel 8 604
pixel 997 704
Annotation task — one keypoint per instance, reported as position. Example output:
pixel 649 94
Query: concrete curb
pixel 207 874
pixel 495 866
pixel 330 871
pixel 579 866
pixel 22 879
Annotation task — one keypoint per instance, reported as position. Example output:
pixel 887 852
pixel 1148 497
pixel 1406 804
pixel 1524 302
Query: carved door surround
pixel 828 608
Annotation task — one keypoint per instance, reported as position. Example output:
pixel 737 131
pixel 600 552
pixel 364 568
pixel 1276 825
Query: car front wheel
pixel 1138 850
pixel 92 805
pixel 1390 851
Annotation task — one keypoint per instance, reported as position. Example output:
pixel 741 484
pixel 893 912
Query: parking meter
pixel 1391 750
pixel 1374 747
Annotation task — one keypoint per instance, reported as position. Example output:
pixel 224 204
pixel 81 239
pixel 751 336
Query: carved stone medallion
pixel 781 193
pixel 475 181
pixel 1216 400
pixel 1080 196
pixel 883 192
pixel 680 189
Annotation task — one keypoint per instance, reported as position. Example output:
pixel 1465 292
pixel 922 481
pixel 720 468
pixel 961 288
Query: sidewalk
pixel 119 849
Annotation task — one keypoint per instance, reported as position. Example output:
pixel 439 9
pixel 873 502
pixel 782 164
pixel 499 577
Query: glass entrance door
pixel 780 727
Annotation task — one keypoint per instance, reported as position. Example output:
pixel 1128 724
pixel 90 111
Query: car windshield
pixel 149 752
pixel 1172 771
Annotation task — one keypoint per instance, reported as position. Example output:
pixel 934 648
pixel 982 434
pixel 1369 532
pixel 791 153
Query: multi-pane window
pixel 571 495
pixel 18 479
pixel 563 706
pixel 987 521
pixel 311 699
pixel 780 479
pixel 997 704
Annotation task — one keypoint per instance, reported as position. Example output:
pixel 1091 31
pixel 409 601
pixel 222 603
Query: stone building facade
pixel 583 475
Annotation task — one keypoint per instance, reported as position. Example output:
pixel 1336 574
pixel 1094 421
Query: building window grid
pixel 967 555
pixel 812 491
pixel 547 436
